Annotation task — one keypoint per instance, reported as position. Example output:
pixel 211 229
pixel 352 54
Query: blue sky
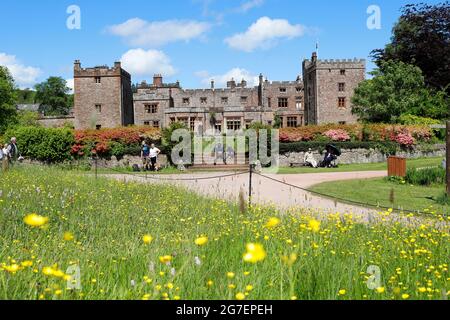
pixel 192 40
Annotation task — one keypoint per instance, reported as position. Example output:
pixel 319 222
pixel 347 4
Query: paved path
pixel 269 192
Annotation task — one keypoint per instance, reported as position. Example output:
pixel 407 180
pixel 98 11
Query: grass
pixel 109 218
pixel 413 163
pixel 378 192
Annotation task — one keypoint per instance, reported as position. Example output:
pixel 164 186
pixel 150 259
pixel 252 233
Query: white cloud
pixel 140 62
pixel 71 85
pixel 264 33
pixel 221 80
pixel 138 32
pixel 249 5
pixel 24 76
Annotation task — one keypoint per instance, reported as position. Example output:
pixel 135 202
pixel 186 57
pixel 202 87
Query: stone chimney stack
pixel 243 83
pixel 77 65
pixel 117 65
pixel 157 80
pixel 314 57
pixel 231 84
pixel 212 84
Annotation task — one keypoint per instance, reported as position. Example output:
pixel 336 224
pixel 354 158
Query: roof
pixel 28 107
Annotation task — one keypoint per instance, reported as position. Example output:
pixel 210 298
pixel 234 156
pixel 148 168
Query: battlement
pixel 99 71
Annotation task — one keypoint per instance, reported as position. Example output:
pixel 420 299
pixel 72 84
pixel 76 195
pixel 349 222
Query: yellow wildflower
pixel 147 239
pixel 35 220
pixel 240 296
pixel 273 222
pixel 201 241
pixel 255 253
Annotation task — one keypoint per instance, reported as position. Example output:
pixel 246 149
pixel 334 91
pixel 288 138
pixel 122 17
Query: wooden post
pixel 448 158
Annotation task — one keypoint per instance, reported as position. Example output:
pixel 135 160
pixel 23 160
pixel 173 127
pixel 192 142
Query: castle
pixel 104 99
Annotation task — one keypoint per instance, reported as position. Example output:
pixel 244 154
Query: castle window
pixel 203 100
pixel 224 100
pixel 342 72
pixel 341 87
pixel 218 127
pixel 342 102
pixel 282 102
pixel 98 80
pixel 269 103
pixel 342 122
pixel 192 124
pixel 234 125
pixel 292 122
pixel 98 108
pixel 243 100
pixel 98 127
pixel 298 89
pixel 172 120
pixel 299 103
pixel 283 90
pixel 146 123
pixel 151 108
pixel 156 124
pixel 184 121
pixel 186 101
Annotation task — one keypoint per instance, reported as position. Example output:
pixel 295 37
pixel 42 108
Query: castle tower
pixel 103 97
pixel 329 87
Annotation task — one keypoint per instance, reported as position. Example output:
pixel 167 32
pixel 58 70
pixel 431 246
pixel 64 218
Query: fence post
pixel 250 177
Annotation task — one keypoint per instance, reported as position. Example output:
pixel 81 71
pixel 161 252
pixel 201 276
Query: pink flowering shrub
pixel 337 135
pixel 404 139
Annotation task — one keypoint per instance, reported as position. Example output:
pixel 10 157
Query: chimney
pixel 231 84
pixel 243 83
pixel 261 79
pixel 212 84
pixel 314 57
pixel 77 65
pixel 117 65
pixel 157 80
pixel 260 90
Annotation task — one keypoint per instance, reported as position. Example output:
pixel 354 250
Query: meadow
pixel 133 241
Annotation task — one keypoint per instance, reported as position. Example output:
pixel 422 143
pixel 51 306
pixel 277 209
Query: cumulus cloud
pixel 24 76
pixel 142 62
pixel 264 34
pixel 138 32
pixel 221 80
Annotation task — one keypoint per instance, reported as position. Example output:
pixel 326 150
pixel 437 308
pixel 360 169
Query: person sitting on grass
pixel 309 160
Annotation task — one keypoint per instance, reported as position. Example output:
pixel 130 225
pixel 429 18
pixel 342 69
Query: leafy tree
pixel 422 37
pixel 25 96
pixel 28 119
pixel 8 98
pixel 53 95
pixel 396 89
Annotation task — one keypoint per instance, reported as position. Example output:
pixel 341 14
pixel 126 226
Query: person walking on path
pixel 145 154
pixel 154 153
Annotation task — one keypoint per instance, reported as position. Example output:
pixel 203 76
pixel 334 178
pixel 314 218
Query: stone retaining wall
pixel 363 155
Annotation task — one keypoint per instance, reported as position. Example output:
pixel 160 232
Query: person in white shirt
pixel 4 158
pixel 154 152
pixel 309 159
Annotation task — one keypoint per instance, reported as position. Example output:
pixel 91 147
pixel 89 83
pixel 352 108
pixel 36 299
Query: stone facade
pixel 56 122
pixel 219 110
pixel 329 87
pixel 103 97
pixel 352 156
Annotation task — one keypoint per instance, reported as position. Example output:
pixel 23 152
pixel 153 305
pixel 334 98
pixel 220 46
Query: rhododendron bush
pixel 406 136
pixel 104 140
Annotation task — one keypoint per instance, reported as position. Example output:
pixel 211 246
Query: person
pixel 154 152
pixel 145 154
pixel 5 158
pixel 219 154
pixel 13 151
pixel 329 157
pixel 230 154
pixel 309 159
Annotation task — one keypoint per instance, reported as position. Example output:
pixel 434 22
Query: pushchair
pixel 331 155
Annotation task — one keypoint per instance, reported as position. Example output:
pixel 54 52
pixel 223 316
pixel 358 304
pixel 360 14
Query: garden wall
pixel 365 155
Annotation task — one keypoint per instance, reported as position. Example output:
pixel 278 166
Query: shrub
pixel 44 144
pixel 337 135
pixel 426 176
pixel 409 119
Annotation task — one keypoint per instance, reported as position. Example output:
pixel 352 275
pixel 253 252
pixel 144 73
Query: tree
pixel 53 95
pixel 422 37
pixel 8 98
pixel 396 89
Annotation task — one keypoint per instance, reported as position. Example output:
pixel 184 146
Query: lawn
pixel 413 163
pixel 133 241
pixel 378 192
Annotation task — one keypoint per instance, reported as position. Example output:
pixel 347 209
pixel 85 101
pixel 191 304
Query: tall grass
pixel 425 176
pixel 109 218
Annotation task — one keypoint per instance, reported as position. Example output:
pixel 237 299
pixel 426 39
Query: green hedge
pixel 385 147
pixel 425 177
pixel 43 144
